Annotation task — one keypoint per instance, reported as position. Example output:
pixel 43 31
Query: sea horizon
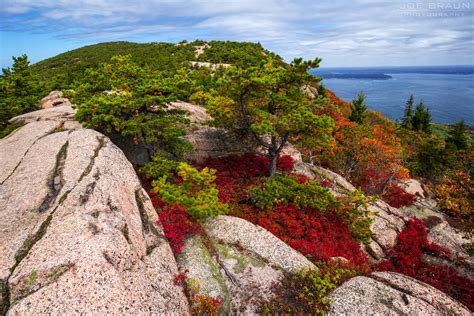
pixel 448 91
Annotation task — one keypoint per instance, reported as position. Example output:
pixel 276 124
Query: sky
pixel 346 33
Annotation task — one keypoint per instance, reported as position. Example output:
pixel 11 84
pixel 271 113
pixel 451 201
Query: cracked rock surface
pixel 389 293
pixel 77 233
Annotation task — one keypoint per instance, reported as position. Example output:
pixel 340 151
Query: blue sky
pixel 342 33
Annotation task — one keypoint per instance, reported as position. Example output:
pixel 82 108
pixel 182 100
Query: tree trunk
pixel 273 164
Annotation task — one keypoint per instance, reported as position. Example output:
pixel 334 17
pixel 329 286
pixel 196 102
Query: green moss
pixel 142 211
pixel 223 250
pixel 256 262
pixel 208 260
pixel 31 278
pixel 31 241
pixel 242 260
pixel 5 295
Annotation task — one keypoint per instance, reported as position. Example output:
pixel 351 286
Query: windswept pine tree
pixel 267 104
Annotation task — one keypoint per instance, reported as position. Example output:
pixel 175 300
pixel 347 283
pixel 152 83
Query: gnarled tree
pixel 266 104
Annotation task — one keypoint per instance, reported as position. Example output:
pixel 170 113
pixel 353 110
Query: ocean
pixel 448 91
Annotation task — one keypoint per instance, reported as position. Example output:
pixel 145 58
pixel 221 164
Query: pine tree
pixel 457 136
pixel 18 90
pixel 266 104
pixel 322 90
pixel 421 118
pixel 408 117
pixel 358 109
pixel 137 108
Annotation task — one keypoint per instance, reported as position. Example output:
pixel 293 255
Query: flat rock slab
pixel 250 280
pixel 238 262
pixel 61 113
pixel 78 233
pixel 253 238
pixel 433 296
pixel 391 294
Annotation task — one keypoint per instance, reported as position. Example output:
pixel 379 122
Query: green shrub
pixel 180 183
pixel 306 292
pixel 284 190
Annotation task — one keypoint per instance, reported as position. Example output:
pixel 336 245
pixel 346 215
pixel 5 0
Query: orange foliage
pixel 369 155
pixel 341 104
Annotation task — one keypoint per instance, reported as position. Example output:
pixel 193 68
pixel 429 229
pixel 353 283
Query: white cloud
pixel 374 31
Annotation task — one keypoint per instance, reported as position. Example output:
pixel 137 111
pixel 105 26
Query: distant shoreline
pixel 384 73
pixel 373 76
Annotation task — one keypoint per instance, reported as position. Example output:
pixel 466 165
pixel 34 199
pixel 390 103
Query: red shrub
pixel 177 226
pixel 326 183
pixel 321 237
pixel 248 166
pixel 225 185
pixel 180 278
pixel 396 197
pixel 285 163
pixel 237 173
pixel 406 258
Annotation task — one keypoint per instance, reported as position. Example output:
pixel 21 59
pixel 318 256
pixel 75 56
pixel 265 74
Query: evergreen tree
pixel 408 117
pixel 421 118
pixel 136 106
pixel 18 90
pixel 358 109
pixel 322 90
pixel 266 104
pixel 457 136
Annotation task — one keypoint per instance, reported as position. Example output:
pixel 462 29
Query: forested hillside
pixel 61 71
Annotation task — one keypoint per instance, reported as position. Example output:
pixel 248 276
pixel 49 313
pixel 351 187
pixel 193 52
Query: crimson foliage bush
pixel 396 197
pixel 236 173
pixel 318 236
pixel 249 165
pixel 406 258
pixel 177 226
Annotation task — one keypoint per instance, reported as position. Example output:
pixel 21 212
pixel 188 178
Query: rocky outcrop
pixel 54 98
pixel 200 49
pixel 413 187
pixel 388 293
pixel 195 113
pixel 77 230
pixel 253 238
pixel 212 142
pixel 238 262
pixel 199 64
pixel 311 91
pixel 62 115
